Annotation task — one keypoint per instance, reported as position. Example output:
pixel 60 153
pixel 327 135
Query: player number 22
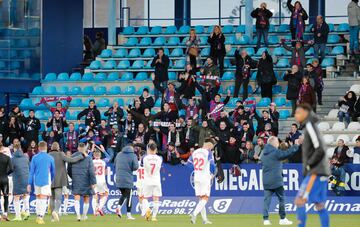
pixel 198 163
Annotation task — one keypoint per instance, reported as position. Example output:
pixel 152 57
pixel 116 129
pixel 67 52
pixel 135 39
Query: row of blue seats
pixel 180 52
pixel 19 43
pixel 12 65
pixel 181 63
pixel 230 40
pixel 20 54
pixel 34 76
pixel 20 32
pixel 226 29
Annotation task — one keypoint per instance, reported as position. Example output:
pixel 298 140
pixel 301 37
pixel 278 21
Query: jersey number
pixel 99 170
pixel 199 164
pixel 153 165
pixel 141 174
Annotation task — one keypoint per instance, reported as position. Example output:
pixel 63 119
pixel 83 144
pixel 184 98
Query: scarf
pixel 170 98
pixel 51 99
pixel 298 24
pixel 215 109
pixel 72 140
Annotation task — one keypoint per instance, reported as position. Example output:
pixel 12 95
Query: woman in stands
pixel 265 75
pixel 217 47
pixel 293 77
pixel 307 93
pixel 32 150
pixel 297 20
pixel 192 49
pixel 346 105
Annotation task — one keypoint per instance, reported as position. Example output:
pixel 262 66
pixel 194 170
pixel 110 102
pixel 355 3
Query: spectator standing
pixel 72 139
pixel 338 160
pixel 274 116
pixel 265 76
pixel 3 124
pixel 125 164
pixel 297 20
pixel 31 128
pixel 244 64
pixel 6 168
pixel 262 16
pixel 88 49
pixel 217 47
pixel 346 107
pixel 32 149
pixel 58 106
pixel 192 50
pixel 356 155
pixel 161 64
pixel 114 114
pixel 306 93
pixel 293 78
pixel 146 100
pixel 316 81
pixel 297 54
pixel 13 130
pixel 354 22
pixel 92 114
pixel 321 32
pixel 99 44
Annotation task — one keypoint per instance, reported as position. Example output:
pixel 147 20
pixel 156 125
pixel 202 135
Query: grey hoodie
pixel 314 156
pixel 354 14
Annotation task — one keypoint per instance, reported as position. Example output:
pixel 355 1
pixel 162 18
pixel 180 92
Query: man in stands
pixel 338 160
pixel 161 64
pixel 146 100
pixel 294 134
pixel 114 114
pixel 354 22
pixel 32 127
pixel 321 32
pixel 92 114
pixel 356 155
pixel 59 105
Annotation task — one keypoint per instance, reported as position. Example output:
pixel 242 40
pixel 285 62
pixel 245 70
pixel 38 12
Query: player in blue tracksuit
pixel 316 168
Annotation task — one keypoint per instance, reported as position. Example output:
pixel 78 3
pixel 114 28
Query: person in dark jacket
pixel 61 177
pixel 274 116
pixel 307 93
pixel 297 53
pixel 265 75
pixel 114 114
pixel 99 44
pixel 293 135
pixel 272 175
pixel 92 114
pixel 321 32
pixel 244 63
pixel 297 20
pixel 293 78
pixel 316 169
pixel 13 130
pixel 20 177
pixel 187 84
pixel 161 64
pixel 125 164
pixel 170 95
pixel 3 124
pixel 83 175
pixel 6 168
pixel 346 106
pixel 316 80
pixel 217 48
pixel 146 100
pixel 31 128
pixel 262 16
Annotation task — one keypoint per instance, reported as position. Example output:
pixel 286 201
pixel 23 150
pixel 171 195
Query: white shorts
pixel 66 190
pixel 44 190
pixel 152 191
pixel 140 191
pixel 101 188
pixel 202 188
pixel 11 185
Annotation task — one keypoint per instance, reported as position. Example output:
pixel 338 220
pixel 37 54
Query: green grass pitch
pixel 244 220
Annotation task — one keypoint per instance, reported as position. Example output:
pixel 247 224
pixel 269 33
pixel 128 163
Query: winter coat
pixel 265 73
pixel 125 164
pixel 297 54
pixel 203 134
pixel 146 103
pixel 82 174
pixel 20 173
pixel 262 17
pixel 307 95
pixel 272 166
pixel 60 159
pixel 341 155
pixel 32 127
pixel 354 14
pixel 294 81
pixel 161 68
pixel 119 115
pixel 323 30
pixel 91 115
pixel 303 18
pixel 217 45
pixel 240 62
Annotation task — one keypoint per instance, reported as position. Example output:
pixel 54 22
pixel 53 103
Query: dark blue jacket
pixel 82 174
pixel 272 165
pixel 125 164
pixel 20 173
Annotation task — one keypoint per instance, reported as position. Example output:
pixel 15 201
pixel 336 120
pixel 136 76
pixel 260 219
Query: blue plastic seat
pixel 283 63
pixel 100 77
pixel 40 115
pixel 276 89
pixel 273 40
pixel 184 29
pixel 131 42
pixel 63 90
pixel 278 51
pixel 150 52
pixel 264 102
pixel 14 65
pixel 115 90
pixel 333 39
pixel 129 90
pixel 199 29
pixel 142 30
pixel 210 29
pixel 141 76
pixel 50 77
pixel 128 76
pixel 103 102
pixel 120 53
pixel 232 102
pixel 110 64
pixel 134 53
pixel 95 65
pixel 205 52
pixel 272 28
pixel 24 75
pixel 343 27
pixel 331 27
pixel 310 52
pixel 120 101
pixel 284 114
pixel 76 102
pixel 148 64
pixel 112 76
pixel 231 52
pixel 227 63
pixel 328 62
pixel 337 50
pixel 250 51
pixel 156 30
pixel 158 103
pixel 243 40
pixel 88 90
pixel 2 65
pixel 26 103
pixel 128 30
pixel 261 51
pixel 25 54
pixel 179 64
pixel 177 52
pixel 141 89
pixel 170 30
pixel 203 40
pixel 228 76
pixel 124 64
pixel 50 90
pixel 172 76
pixel 63 76
pixel 88 77
pixel 227 29
pixel 253 76
pixel 230 40
pixel 138 64
pixel 21 43
pixel 241 29
pixel 159 41
pixel 284 28
pixel 100 90
pixel 76 90
pixel 146 41
pixel 106 53
pixel 280 101
pixel 173 41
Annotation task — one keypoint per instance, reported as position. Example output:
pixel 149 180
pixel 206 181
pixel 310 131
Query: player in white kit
pixel 101 189
pixel 139 183
pixel 152 182
pixel 202 160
